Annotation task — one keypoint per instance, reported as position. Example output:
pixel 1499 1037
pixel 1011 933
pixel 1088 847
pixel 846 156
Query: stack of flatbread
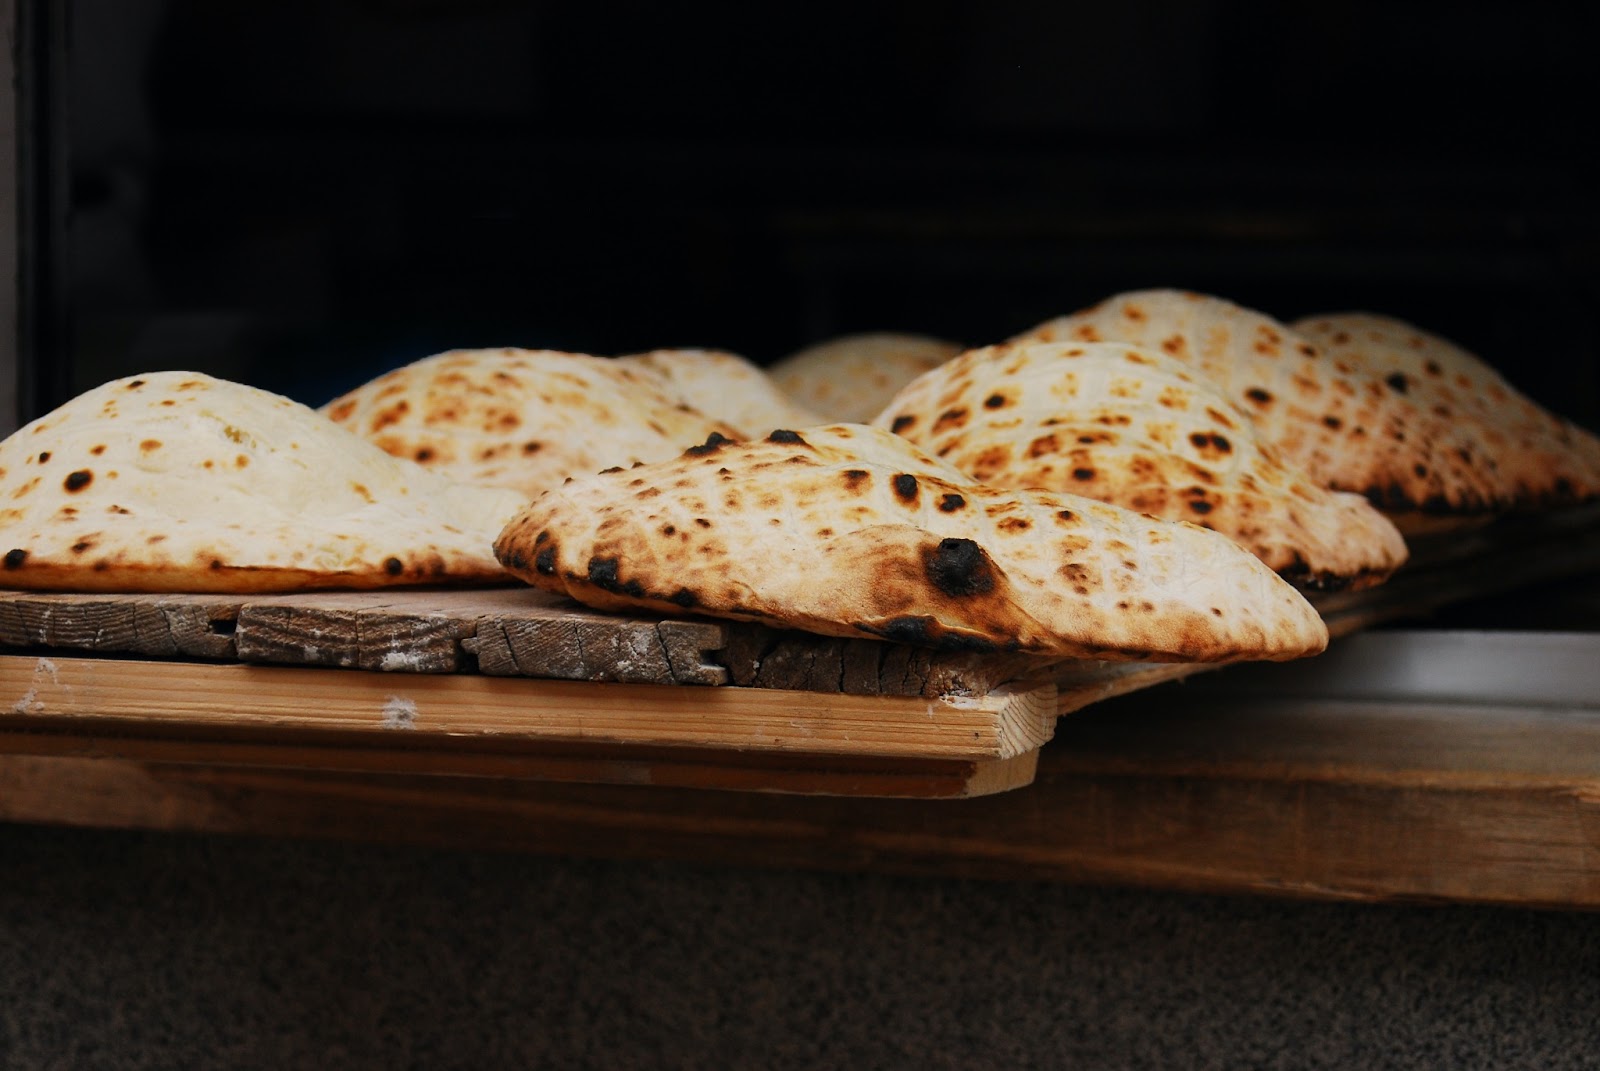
pixel 523 419
pixel 1133 427
pixel 175 481
pixel 852 377
pixel 1352 422
pixel 849 530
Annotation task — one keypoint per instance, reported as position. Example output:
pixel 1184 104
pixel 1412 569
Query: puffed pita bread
pixel 726 387
pixel 175 481
pixel 852 378
pixel 1129 426
pixel 1542 460
pixel 525 419
pixel 848 530
pixel 1348 428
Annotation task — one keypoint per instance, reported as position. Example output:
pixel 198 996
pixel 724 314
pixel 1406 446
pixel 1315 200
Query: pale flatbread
pixel 175 481
pixel 1540 460
pixel 852 377
pixel 726 387
pixel 848 530
pixel 525 419
pixel 1348 428
pixel 1129 426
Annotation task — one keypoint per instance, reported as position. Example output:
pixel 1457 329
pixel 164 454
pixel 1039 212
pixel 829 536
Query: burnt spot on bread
pixel 1332 422
pixel 603 574
pixel 901 423
pixel 1209 443
pixel 905 487
pixel 44 455
pixel 532 446
pixel 393 566
pixel 1065 515
pixel 608 472
pixel 544 562
pixel 784 435
pixel 951 502
pixel 713 443
pixel 1200 506
pixel 1432 368
pixel 82 545
pixel 1220 417
pixel 1083 475
pixel 1015 524
pixel 951 418
pixel 15 558
pixel 702 522
pixel 856 479
pixel 77 481
pixel 684 598
pixel 134 384
pixel 959 568
pixel 996 401
pixel 1259 395
pixel 1397 382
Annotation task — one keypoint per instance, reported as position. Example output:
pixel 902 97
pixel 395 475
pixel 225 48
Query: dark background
pixel 302 194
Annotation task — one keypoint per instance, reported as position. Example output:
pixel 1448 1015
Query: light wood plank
pixel 42 691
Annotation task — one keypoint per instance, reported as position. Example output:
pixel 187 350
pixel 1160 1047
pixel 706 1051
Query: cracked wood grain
pixel 190 626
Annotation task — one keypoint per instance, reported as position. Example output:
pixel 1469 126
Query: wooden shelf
pixel 504 719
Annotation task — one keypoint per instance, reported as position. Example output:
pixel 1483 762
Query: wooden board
pixel 1371 801
pixel 360 720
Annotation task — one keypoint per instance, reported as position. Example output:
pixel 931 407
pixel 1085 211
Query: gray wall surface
pixel 123 950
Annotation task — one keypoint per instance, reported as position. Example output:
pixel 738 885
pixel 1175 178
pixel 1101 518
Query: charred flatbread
pixel 1346 427
pixel 1130 426
pixel 1535 459
pixel 848 530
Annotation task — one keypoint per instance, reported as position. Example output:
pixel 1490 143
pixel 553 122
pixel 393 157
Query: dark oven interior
pixel 301 194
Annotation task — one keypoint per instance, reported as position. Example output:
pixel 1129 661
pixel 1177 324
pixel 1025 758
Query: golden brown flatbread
pixel 725 387
pixel 525 419
pixel 848 530
pixel 852 377
pixel 175 481
pixel 1130 426
pixel 1536 459
pixel 1348 428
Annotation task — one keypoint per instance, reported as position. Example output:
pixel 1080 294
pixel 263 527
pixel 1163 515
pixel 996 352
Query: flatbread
pixel 1349 429
pixel 852 378
pixel 524 419
pixel 175 481
pixel 848 530
pixel 1542 461
pixel 1130 426
pixel 726 387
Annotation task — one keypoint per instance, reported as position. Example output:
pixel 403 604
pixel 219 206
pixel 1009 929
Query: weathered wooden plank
pixel 581 645
pixel 190 626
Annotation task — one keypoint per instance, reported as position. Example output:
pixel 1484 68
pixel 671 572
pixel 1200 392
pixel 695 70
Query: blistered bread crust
pixel 524 419
pixel 178 482
pixel 1130 426
pixel 848 530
